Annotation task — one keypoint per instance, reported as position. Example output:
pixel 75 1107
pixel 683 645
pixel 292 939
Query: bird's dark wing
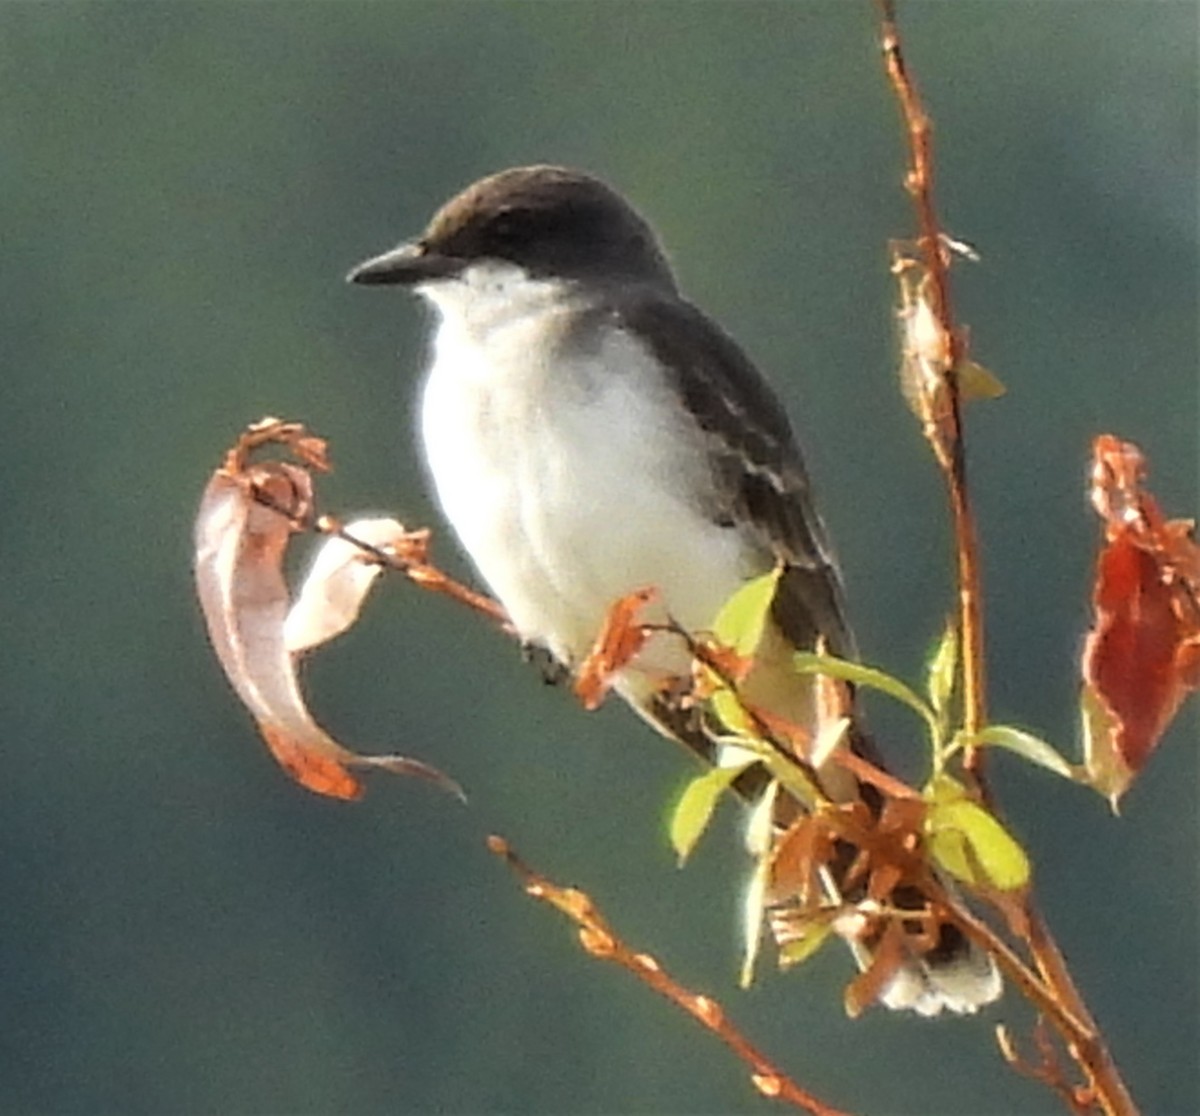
pixel 759 480
pixel 758 474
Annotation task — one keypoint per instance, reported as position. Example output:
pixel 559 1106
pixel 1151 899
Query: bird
pixel 589 432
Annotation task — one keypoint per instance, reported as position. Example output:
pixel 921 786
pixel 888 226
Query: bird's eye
pixel 509 226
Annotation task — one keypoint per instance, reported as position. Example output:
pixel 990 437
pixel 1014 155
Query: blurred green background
pixel 184 185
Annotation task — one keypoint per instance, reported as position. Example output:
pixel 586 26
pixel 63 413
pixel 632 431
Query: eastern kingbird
pixel 590 432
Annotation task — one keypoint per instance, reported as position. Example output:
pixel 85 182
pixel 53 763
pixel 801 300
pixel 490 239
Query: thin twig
pixel 1076 1028
pixel 410 558
pixel 1052 991
pixel 1080 1100
pixel 949 446
pixel 412 561
pixel 1091 1053
pixel 599 940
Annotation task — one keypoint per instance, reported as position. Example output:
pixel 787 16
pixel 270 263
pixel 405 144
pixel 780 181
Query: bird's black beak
pixel 407 266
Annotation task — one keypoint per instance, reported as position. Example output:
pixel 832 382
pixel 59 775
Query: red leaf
pixel 1142 656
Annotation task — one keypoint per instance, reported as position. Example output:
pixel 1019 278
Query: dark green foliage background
pixel 183 186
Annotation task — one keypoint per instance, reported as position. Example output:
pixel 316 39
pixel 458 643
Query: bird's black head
pixel 550 221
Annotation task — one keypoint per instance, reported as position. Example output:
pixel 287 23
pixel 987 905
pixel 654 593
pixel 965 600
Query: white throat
pixel 491 294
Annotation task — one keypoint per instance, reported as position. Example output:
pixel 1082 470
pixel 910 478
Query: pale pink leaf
pixel 337 583
pixel 240 545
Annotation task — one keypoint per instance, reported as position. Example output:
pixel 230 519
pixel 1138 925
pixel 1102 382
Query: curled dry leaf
pixel 805 850
pixel 247 515
pixel 887 958
pixel 1142 655
pixel 925 344
pixel 338 581
pixel 936 375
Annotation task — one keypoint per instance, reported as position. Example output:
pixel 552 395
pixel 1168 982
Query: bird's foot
pixel 552 671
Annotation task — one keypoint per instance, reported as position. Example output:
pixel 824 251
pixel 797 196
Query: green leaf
pixel 944 788
pixel 813 935
pixel 728 709
pixel 740 622
pixel 943 668
pixel 695 807
pixel 760 824
pixel 968 842
pixel 977 382
pixel 809 662
pixel 754 915
pixel 759 831
pixel 1031 747
pixel 792 778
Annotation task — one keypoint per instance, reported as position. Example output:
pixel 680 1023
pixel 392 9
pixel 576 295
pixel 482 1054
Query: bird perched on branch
pixel 590 432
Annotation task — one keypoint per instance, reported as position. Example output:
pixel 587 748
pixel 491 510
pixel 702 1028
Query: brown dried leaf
pixel 293 436
pixel 887 956
pixel 240 544
pixel 620 639
pixel 925 345
pixel 799 854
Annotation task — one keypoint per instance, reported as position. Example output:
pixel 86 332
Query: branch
pixel 411 558
pixel 1092 1055
pixel 413 562
pixel 599 940
pixel 1064 1005
pixel 946 433
pixel 1048 1069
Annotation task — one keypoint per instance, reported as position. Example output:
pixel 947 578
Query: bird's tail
pixel 929 966
pixel 952 974
pixel 929 972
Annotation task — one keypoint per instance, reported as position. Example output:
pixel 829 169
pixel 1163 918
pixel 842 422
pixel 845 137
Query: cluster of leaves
pixel 1141 659
pixel 801 878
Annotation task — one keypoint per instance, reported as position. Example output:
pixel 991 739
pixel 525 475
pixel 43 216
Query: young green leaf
pixel 759 832
pixel 754 915
pixel 813 935
pixel 760 824
pixel 695 807
pixel 1025 744
pixel 942 671
pixel 729 710
pixel 792 778
pixel 968 842
pixel 808 662
pixel 740 622
pixel 977 382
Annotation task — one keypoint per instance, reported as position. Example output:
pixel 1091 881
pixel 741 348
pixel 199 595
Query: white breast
pixel 568 470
